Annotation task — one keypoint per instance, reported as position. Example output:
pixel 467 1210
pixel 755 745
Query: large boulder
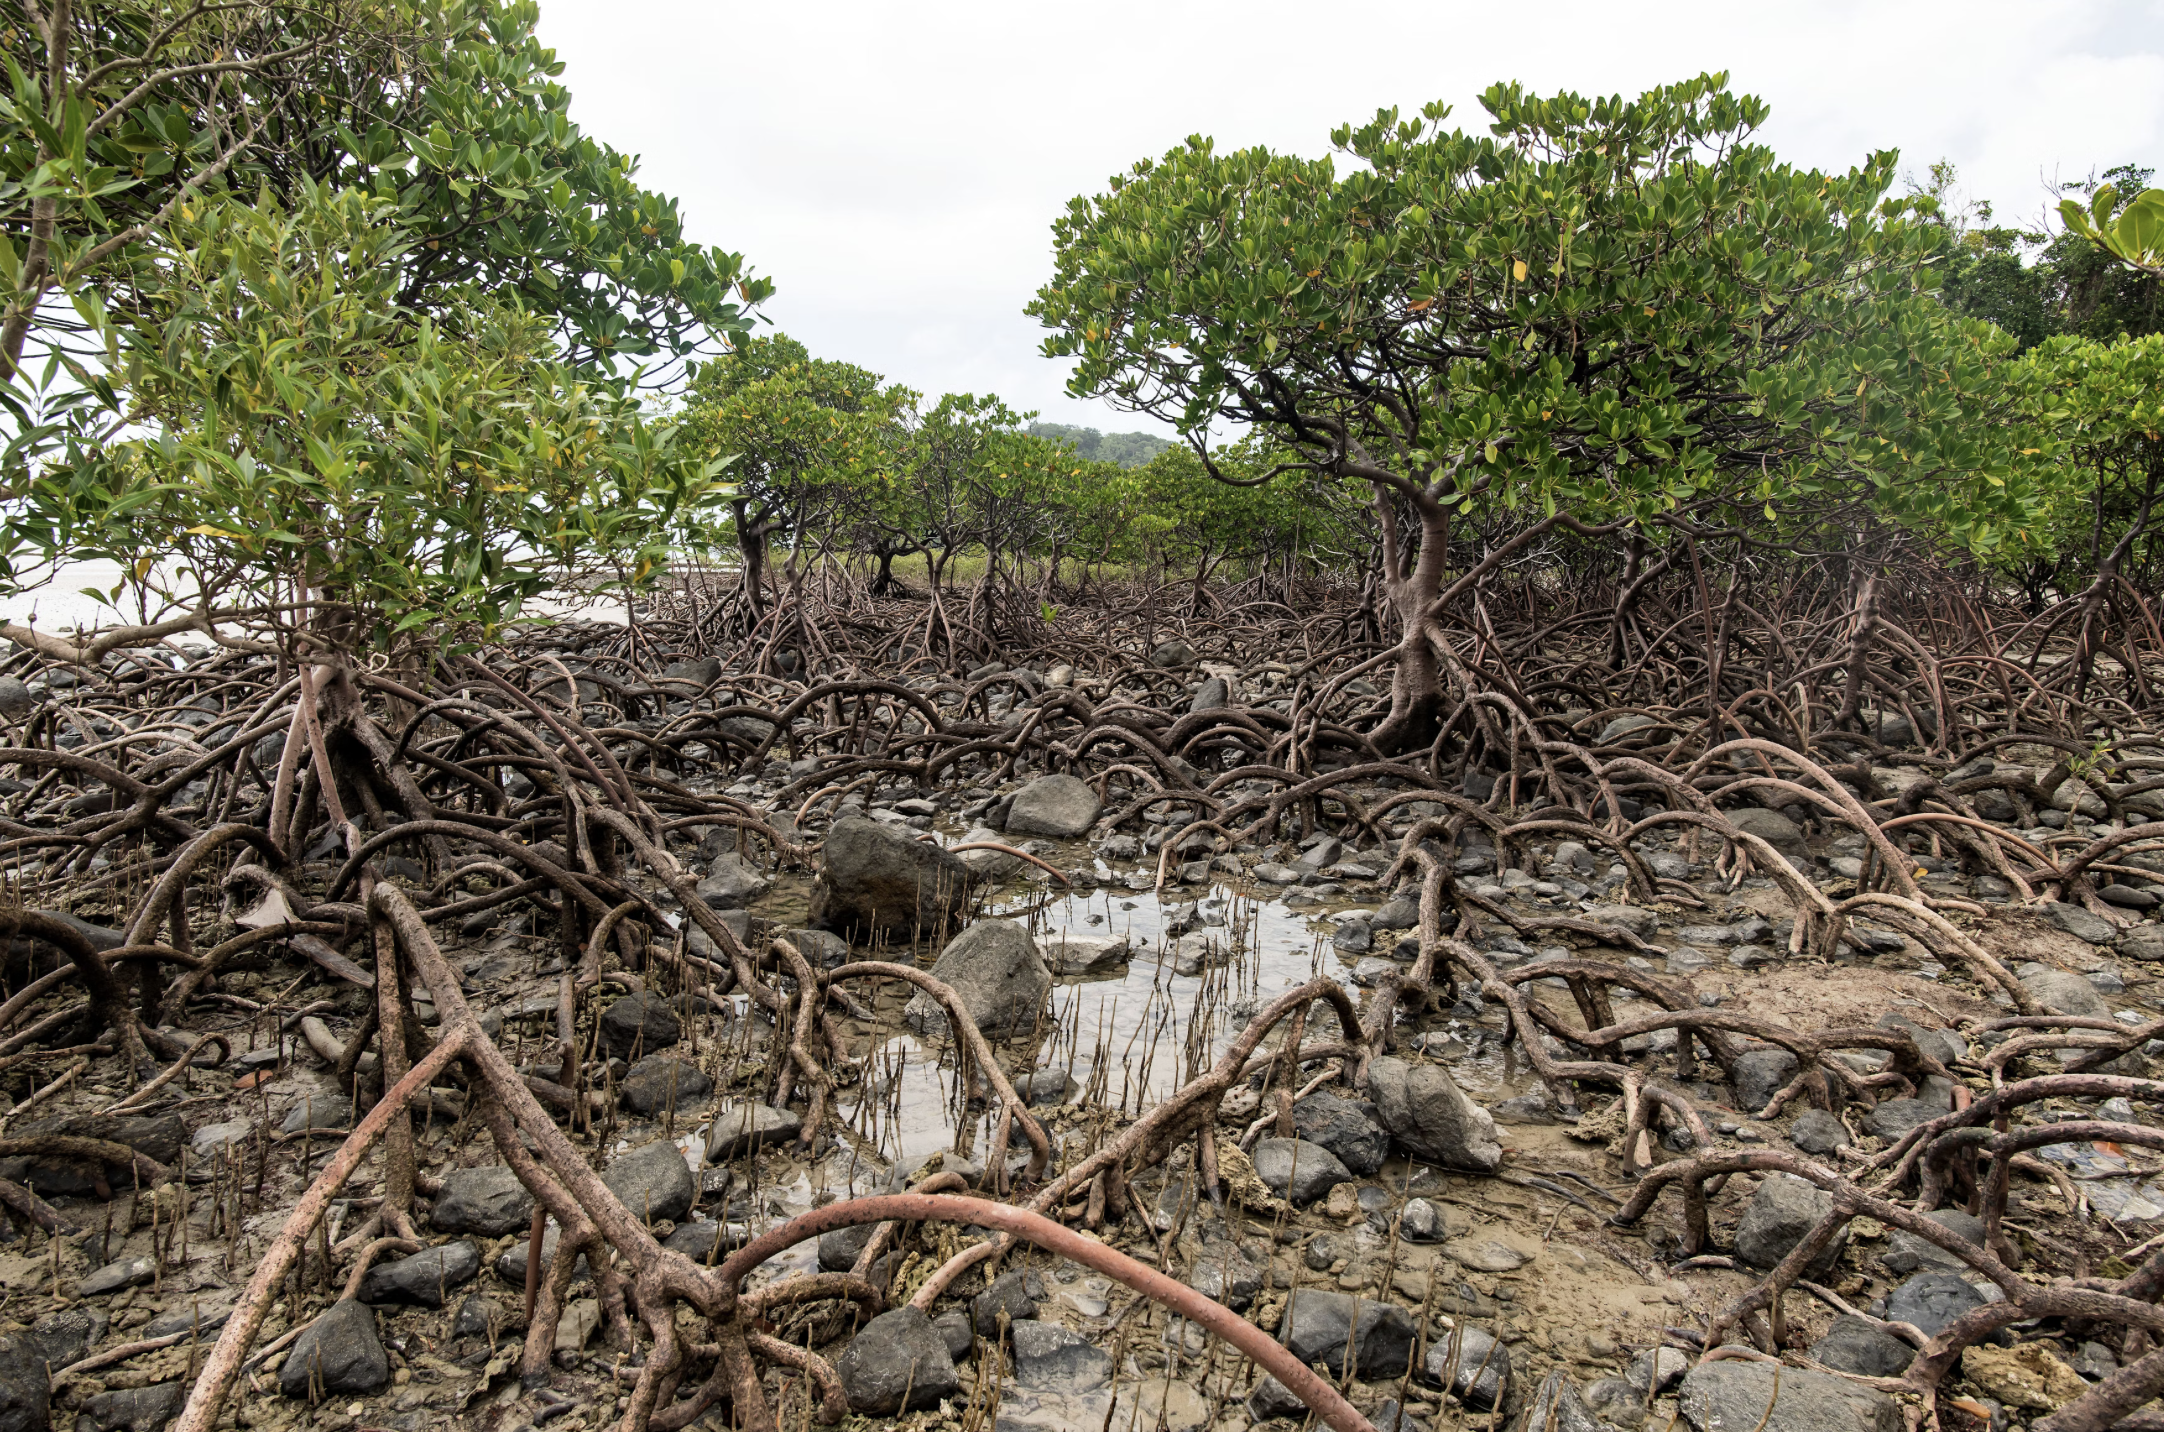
pixel 1345 1128
pixel 1778 1217
pixel 1740 1396
pixel 896 1356
pixel 489 1201
pixel 877 880
pixel 653 1181
pixel 1061 807
pixel 995 968
pixel 1318 1326
pixel 340 1352
pixel 1772 827
pixel 1432 1117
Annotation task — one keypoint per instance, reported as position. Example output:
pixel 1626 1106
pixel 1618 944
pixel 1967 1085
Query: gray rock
pixel 732 885
pixel 896 1357
pixel 839 1250
pixel 1344 1127
pixel 1907 1252
pixel 1817 1132
pixel 1353 936
pixel 1398 914
pixel 954 1329
pixel 747 1127
pixel 2062 992
pixel 1620 727
pixel 1896 1117
pixel 1657 1369
pixel 17 700
pixel 700 671
pixel 639 1024
pixel 60 1339
pixel 1223 1273
pixel 1421 1222
pixel 1172 655
pixel 1777 1218
pixel 2143 942
pixel 137 1409
pixel 1937 1043
pixel 1317 1327
pixel 510 1264
pixel 823 949
pixel 159 1136
pixel 25 1385
pixel 1297 1170
pixel 653 1181
pixel 1931 1301
pixel 208 1140
pixel 1431 1117
pixel 1740 1396
pixel 1000 977
pixel 1271 1398
pixel 1557 1407
pixel 1772 827
pixel 1637 919
pixel 875 880
pixel 1008 1297
pixel 1210 696
pixel 489 1201
pixel 1052 1359
pixel 314 1110
pixel 704 1242
pixel 340 1352
pixel 1855 1345
pixel 426 1277
pixel 1759 1074
pixel 126 1273
pixel 2081 923
pixel 1061 807
pixel 1472 1364
pixel 1075 954
pixel 659 1083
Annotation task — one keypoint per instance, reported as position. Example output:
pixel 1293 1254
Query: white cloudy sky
pixel 895 168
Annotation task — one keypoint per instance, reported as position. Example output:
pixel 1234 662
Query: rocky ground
pixel 1439 1243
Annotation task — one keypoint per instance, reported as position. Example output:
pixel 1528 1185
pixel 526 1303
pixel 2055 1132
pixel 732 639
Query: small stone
pixel 135 1409
pixel 1062 807
pixel 1856 1345
pixel 2081 923
pixel 1817 1132
pixel 1472 1364
pixel 1738 1396
pixel 1345 1127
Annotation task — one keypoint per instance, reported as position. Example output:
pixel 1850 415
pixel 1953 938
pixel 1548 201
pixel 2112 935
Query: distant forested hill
pixel 1126 449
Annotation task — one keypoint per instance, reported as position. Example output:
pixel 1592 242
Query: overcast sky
pixel 895 168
